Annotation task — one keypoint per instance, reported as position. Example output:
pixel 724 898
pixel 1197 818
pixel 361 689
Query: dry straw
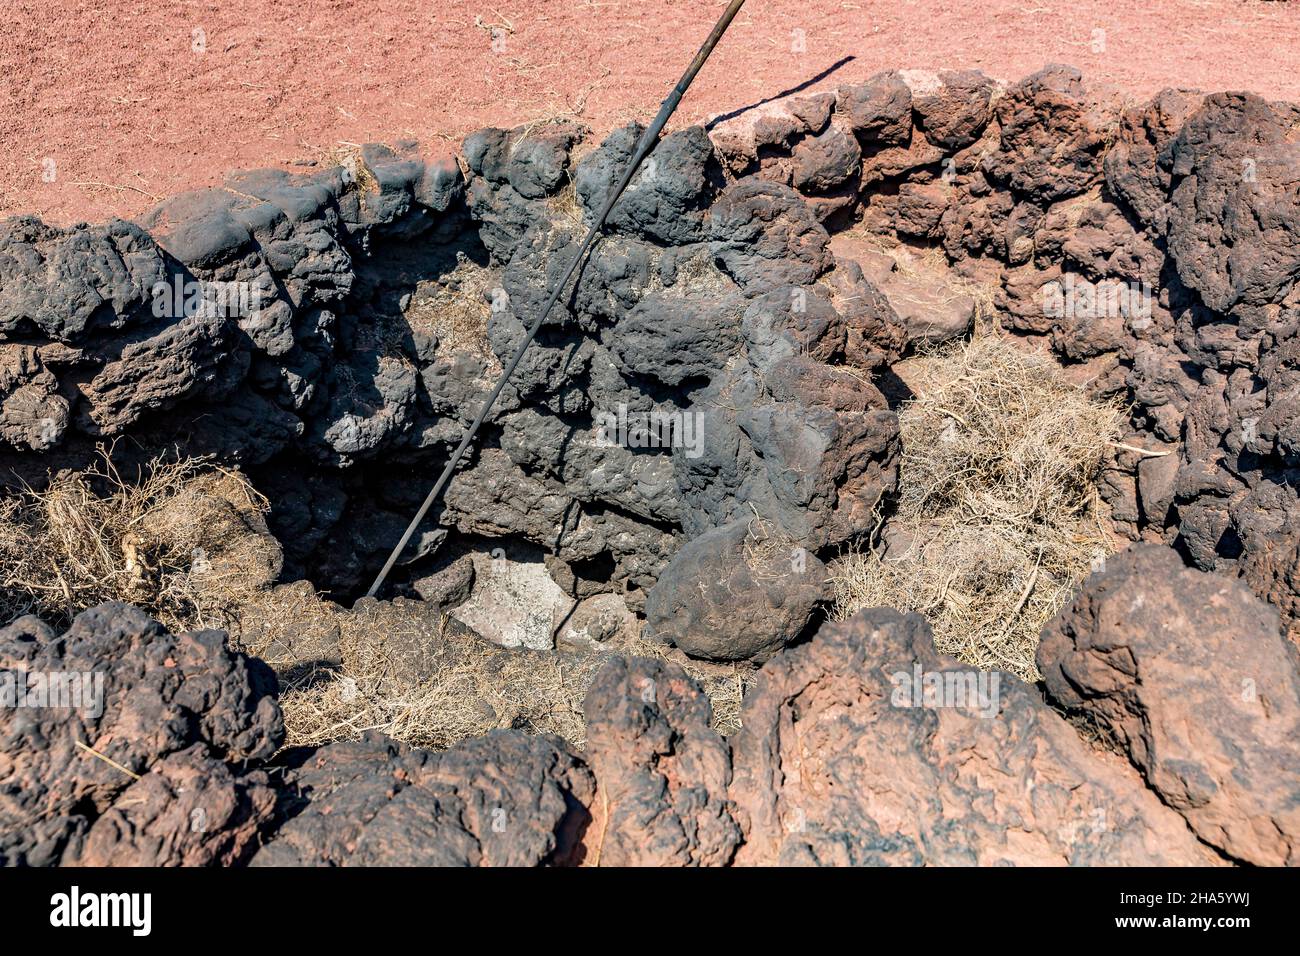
pixel 420 677
pixel 184 540
pixel 456 309
pixel 998 516
pixel 187 542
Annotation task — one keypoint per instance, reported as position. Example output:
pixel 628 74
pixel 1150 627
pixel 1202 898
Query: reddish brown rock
pixel 876 334
pixel 976 225
pixel 826 161
pixel 921 207
pixel 1234 218
pixel 189 810
pixel 662 772
pixel 880 163
pixel 1054 133
pixel 880 110
pixel 161 694
pixel 1137 166
pixel 1189 674
pixel 955 112
pixel 771 129
pixel 840 762
pixel 1029 296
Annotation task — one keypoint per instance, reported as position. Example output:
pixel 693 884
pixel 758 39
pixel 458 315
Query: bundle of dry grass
pixel 474 688
pixel 356 174
pixel 456 309
pixel 565 209
pixel 998 515
pixel 420 677
pixel 185 541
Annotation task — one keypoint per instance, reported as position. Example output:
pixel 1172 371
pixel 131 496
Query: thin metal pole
pixel 643 148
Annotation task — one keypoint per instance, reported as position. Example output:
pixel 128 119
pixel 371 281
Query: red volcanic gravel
pixel 121 103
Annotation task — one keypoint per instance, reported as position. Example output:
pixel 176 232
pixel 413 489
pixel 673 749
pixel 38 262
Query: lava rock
pixel 667 199
pixel 1138 165
pixel 825 161
pixel 1054 134
pixel 808 447
pixel 449 586
pixel 729 595
pixel 764 236
pixel 1234 213
pixel 663 772
pixel 158 694
pixel 954 112
pixel 905 757
pixel 192 358
pixel 672 340
pixel 879 110
pixel 506 799
pixel 1189 674
pixel 64 284
pixel 33 414
pixel 188 810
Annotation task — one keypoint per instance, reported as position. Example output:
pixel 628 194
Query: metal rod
pixel 647 142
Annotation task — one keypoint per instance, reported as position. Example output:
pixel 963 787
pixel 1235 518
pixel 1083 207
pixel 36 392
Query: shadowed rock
pixel 161 694
pixel 506 799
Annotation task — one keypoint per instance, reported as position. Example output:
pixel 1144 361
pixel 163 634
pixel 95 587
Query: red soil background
pixel 116 94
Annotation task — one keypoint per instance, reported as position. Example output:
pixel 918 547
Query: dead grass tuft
pixel 456 309
pixel 421 677
pixel 998 515
pixel 768 549
pixel 186 541
pixel 565 209
pixel 347 156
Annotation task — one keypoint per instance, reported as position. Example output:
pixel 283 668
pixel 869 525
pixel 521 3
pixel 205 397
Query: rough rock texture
pixel 839 762
pixel 765 236
pixel 954 111
pixel 188 810
pixel 861 745
pixel 506 799
pixel 1053 134
pixel 1235 203
pixel 717 362
pixel 1189 674
pixel 729 595
pixel 32 412
pixel 1152 242
pixel 173 708
pixel 662 772
pixel 595 619
pixel 1151 245
pixel 449 586
pixel 66 283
